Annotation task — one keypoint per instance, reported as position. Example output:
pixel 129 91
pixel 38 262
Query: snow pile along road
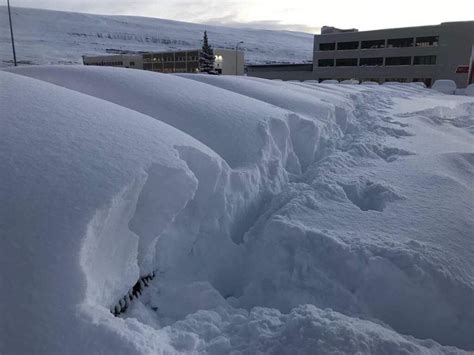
pixel 275 217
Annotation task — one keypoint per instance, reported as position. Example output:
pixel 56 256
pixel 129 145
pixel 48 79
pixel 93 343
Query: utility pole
pixel 11 33
pixel 236 48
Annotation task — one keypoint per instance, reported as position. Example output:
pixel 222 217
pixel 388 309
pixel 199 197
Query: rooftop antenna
pixel 11 33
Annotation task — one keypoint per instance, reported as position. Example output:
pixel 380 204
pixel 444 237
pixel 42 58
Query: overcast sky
pixel 300 15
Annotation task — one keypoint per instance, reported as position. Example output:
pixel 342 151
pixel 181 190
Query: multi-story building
pixel 425 53
pixel 227 62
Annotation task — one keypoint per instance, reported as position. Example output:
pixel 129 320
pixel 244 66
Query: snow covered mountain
pixel 52 37
pixel 276 217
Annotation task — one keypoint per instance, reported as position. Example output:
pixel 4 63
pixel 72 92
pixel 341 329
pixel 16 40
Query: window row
pixel 429 41
pixel 378 61
pixel 167 58
pixel 107 64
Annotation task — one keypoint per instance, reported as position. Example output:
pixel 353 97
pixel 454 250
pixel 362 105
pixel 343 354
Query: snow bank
pixel 235 127
pixel 350 81
pixel 67 198
pixel 469 90
pixel 305 330
pixel 369 83
pixel 278 217
pixel 445 86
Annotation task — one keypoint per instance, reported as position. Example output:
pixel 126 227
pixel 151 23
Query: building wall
pixel 232 62
pixel 282 71
pixel 451 50
pixel 229 62
pixel 172 62
pixel 456 41
pixel 124 61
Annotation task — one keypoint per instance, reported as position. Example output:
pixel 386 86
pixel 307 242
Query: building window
pixel 193 56
pixel 399 42
pixel 147 66
pixel 347 45
pixel 424 60
pixel 192 68
pixel 325 62
pixel 327 46
pixel 398 61
pixel 430 41
pixel 379 43
pixel 371 62
pixel 132 64
pixel 346 62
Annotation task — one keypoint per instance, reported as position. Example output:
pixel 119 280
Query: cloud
pixel 231 21
pixel 231 12
pixel 294 15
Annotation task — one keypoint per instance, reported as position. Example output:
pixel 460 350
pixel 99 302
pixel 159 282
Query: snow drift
pixel 277 217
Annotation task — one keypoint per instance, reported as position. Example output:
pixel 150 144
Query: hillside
pixel 53 37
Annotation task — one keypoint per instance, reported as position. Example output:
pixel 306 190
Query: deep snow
pixel 279 217
pixel 57 37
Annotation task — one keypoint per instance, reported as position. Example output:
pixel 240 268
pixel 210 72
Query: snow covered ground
pixel 279 217
pixel 53 37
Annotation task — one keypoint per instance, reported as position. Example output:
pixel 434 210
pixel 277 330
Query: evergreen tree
pixel 206 59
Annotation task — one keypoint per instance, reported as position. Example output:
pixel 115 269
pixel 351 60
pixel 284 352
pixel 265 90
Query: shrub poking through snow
pixel 135 292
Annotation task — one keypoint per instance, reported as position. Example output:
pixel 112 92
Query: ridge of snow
pixel 279 217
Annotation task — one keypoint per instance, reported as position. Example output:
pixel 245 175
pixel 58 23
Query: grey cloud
pixel 267 25
pixel 198 11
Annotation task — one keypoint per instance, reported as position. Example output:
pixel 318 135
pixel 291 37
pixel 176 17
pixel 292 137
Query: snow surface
pixel 445 86
pixel 469 91
pixel 279 217
pixel 54 37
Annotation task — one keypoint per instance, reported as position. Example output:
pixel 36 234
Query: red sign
pixel 462 69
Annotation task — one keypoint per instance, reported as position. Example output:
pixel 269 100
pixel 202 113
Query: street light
pixel 11 32
pixel 236 48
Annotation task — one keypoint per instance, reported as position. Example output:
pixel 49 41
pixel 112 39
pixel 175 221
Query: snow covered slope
pixel 52 37
pixel 278 217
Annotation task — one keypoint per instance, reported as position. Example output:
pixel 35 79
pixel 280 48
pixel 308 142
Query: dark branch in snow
pixel 135 292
